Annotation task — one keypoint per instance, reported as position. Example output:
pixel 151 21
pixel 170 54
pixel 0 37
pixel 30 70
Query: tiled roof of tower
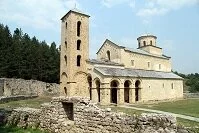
pixel 76 11
pixel 104 62
pixel 128 72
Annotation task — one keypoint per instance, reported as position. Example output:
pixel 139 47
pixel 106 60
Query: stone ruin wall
pixel 77 115
pixel 15 87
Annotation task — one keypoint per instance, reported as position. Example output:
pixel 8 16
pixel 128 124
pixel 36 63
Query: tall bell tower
pixel 74 53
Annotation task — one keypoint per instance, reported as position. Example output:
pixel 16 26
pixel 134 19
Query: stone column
pixel 94 95
pixel 132 95
pixel 120 94
pixel 105 94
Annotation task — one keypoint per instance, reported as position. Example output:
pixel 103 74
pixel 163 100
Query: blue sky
pixel 174 22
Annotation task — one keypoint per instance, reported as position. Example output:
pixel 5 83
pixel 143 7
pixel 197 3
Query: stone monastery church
pixel 119 74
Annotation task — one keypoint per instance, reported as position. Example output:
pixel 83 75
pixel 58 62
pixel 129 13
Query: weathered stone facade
pixel 15 87
pixel 119 74
pixel 79 115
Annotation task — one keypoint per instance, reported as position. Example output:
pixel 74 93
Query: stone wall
pixel 14 87
pixel 75 115
pixel 191 95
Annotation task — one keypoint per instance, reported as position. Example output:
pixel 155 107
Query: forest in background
pixel 27 58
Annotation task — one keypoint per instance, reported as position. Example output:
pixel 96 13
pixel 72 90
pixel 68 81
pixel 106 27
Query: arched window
pixel 144 42
pixel 65 90
pixel 108 55
pixel 78 60
pixel 66 44
pixel 65 57
pixel 78 28
pixel 151 42
pixel 78 44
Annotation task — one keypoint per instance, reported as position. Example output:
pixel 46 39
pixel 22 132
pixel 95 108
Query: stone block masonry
pixel 15 87
pixel 79 115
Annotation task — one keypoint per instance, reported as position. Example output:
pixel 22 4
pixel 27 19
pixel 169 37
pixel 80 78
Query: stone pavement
pixel 162 112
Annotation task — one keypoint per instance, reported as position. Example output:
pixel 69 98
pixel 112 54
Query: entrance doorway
pixel 137 89
pixel 114 86
pixel 126 91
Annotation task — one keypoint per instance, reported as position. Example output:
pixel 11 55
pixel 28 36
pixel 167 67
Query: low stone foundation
pixel 191 95
pixel 79 115
pixel 5 99
pixel 15 87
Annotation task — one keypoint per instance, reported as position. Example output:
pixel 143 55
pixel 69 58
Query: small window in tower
pixel 159 66
pixel 78 28
pixel 163 85
pixel 132 63
pixel 149 64
pixel 65 57
pixel 144 42
pixel 151 42
pixel 78 60
pixel 108 55
pixel 78 44
pixel 66 25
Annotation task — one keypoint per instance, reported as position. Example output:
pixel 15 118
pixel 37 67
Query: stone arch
pixel 117 79
pixel 137 90
pixel 64 78
pixel 114 84
pixel 82 86
pixel 127 86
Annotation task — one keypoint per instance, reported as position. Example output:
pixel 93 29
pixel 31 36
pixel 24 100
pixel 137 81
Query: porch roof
pixel 129 72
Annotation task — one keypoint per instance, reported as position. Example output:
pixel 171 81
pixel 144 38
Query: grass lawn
pixel 193 126
pixel 9 129
pixel 33 103
pixel 127 111
pixel 186 106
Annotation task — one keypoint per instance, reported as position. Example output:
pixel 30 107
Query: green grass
pixel 127 111
pixel 11 129
pixel 186 107
pixel 32 103
pixel 192 126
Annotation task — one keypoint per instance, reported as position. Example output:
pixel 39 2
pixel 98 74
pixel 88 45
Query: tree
pixel 23 57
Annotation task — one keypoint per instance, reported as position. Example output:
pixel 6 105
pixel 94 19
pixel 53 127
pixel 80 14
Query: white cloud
pixel 111 3
pixel 151 12
pixel 161 7
pixel 41 14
